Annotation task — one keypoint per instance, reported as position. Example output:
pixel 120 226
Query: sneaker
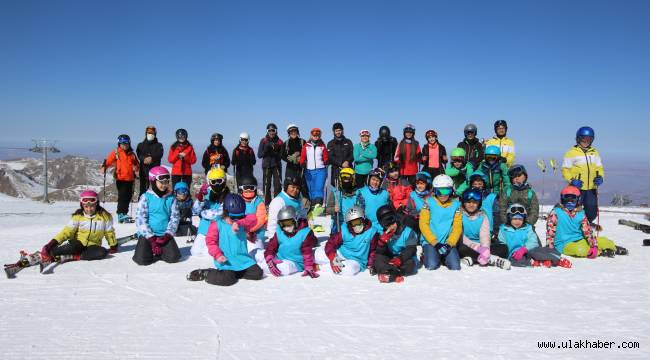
pixel 467 261
pixel 197 275
pixel 544 263
pixel 565 263
pixel 501 263
pixel 621 250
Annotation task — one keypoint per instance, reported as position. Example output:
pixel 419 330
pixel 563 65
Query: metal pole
pixel 45 197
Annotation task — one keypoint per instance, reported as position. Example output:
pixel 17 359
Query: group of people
pixel 414 207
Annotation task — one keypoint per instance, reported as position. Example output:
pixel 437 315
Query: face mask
pixel 570 205
pixel 248 195
pixel 358 229
pixel 289 229
pixel 150 137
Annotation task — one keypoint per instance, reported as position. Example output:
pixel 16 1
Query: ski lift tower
pixel 44 146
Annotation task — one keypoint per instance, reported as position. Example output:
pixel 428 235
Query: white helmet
pixel 244 135
pixel 292 127
pixel 443 181
pixel 355 212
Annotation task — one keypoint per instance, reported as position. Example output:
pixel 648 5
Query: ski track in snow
pixel 114 309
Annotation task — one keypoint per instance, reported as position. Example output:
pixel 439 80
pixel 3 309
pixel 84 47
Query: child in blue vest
pixel 342 198
pixel 157 219
pixel 441 225
pixel 290 250
pixel 569 232
pixel 477 246
pixel 184 202
pixel 226 241
pixel 523 244
pixel 396 247
pixel 351 250
pixel 254 205
pixel 490 204
pixel 208 206
pixel 372 196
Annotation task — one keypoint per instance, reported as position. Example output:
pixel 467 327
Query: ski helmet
pixel 364 132
pixel 216 176
pixel 478 175
pixel 216 136
pixel 442 181
pixel 159 173
pixel 470 128
pixel 244 136
pixel 337 126
pixel 288 218
pixel 516 170
pixel 181 133
pixel 292 127
pixel 430 133
pixel 234 205
pixel 181 188
pixel 570 197
pixel 458 152
pixel 248 180
pixel 271 126
pixel 386 216
pixel 248 187
pixel 493 150
pixel 346 175
pixel 409 128
pixel 585 131
pixel 88 196
pixel 500 123
pixel 472 194
pixel 378 173
pixel 355 217
pixel 384 131
pixel 290 180
pixel 424 176
pixel 124 139
pixel 516 211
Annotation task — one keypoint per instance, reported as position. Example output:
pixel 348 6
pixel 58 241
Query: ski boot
pixel 621 250
pixel 198 275
pixel 26 260
pixel 610 253
pixel 501 263
pixel 544 263
pixel 564 262
pixel 389 278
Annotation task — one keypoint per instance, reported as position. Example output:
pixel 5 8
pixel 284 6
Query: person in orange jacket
pixel 126 169
pixel 182 157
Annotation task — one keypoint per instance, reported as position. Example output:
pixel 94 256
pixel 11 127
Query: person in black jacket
pixel 270 151
pixel 472 145
pixel 340 152
pixel 215 154
pixel 149 152
pixel 434 155
pixel 291 155
pixel 397 246
pixel 386 147
pixel 243 158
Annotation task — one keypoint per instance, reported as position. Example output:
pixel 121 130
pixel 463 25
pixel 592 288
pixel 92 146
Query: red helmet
pixel 570 190
pixel 430 133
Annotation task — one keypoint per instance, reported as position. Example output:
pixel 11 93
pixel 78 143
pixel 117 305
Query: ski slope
pixel 114 309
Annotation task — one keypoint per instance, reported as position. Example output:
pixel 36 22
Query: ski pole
pixel 337 201
pixel 597 210
pixel 104 187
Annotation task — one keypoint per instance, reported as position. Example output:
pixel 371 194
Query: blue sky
pixel 83 72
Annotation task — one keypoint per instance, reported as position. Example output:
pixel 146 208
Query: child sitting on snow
pixel 477 245
pixel 396 247
pixel 342 198
pixel 353 249
pixel 490 204
pixel 398 188
pixel 208 205
pixel 569 232
pixel 184 202
pixel 290 250
pixel 371 197
pixel 523 244
pixel 254 205
pixel 226 241
pixel 520 192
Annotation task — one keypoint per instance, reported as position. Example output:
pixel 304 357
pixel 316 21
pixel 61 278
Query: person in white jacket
pixel 290 196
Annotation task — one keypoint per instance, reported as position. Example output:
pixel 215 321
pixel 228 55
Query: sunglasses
pixel 247 187
pixel 163 178
pixel 287 222
pixel 356 222
pixel 518 210
pixel 89 201
pixel 219 181
pixel 444 191
pixel 491 158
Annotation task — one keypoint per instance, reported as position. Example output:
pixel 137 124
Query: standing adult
pixel 126 166
pixel 150 153
pixel 364 158
pixel 583 168
pixel 434 155
pixel 504 143
pixel 182 157
pixel 314 157
pixel 386 146
pixel 270 151
pixel 243 158
pixel 339 151
pixel 291 155
pixel 215 154
pixel 407 155
pixel 472 146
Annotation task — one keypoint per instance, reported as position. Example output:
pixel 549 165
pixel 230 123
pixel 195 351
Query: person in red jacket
pixel 398 188
pixel 434 155
pixel 127 167
pixel 407 155
pixel 182 157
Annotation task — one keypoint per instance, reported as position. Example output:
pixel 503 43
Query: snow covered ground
pixel 114 309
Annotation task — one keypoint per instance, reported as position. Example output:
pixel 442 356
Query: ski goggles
pixel 491 158
pixel 182 192
pixel 517 210
pixel 569 198
pixel 247 187
pixel 458 159
pixel 89 200
pixel 286 223
pixel 356 222
pixel 123 140
pixel 243 139
pixel 473 196
pixel 219 181
pixel 444 191
pixel 164 178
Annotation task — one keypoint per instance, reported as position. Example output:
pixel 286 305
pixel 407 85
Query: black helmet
pixel 470 128
pixel 500 123
pixel 216 136
pixel 386 216
pixel 384 131
pixel 337 125
pixel 181 133
pixel 289 180
pixel 516 170
pixel 248 180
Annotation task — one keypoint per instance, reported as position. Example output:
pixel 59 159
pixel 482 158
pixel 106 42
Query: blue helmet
pixel 234 205
pixel 472 194
pixel 493 150
pixel 585 131
pixel 124 139
pixel 181 187
pixel 424 176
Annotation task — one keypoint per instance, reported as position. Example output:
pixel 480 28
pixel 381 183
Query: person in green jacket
pixel 459 170
pixel 520 192
pixel 365 154
pixel 496 172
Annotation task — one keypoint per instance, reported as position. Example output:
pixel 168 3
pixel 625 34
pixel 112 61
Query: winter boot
pixel 389 278
pixel 610 253
pixel 198 275
pixel 621 250
pixel 501 263
pixel 538 263
pixel 467 261
pixel 564 262
pixel 67 258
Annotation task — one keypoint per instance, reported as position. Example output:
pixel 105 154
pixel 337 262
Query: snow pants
pixel 273 174
pixel 383 267
pixel 144 256
pixel 286 267
pixel 580 248
pixel 540 254
pixel 497 249
pixel 230 277
pixel 124 195
pixel 316 184
pixel 74 247
pixel 432 259
pixel 590 204
pixel 350 267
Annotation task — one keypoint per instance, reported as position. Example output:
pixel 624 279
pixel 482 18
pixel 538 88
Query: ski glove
pixel 577 183
pixel 309 271
pixel 519 254
pixel 396 262
pixel 113 249
pixel 45 251
pixel 156 248
pixel 336 263
pixel 272 262
pixel 598 180
pixel 162 240
pixel 484 255
pixel 442 249
pixel 202 192
pixel 593 252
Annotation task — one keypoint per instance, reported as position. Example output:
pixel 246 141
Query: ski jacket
pixel 407 156
pixel 243 159
pixel 360 247
pixel 215 156
pixel 460 176
pixel 340 150
pixel 181 166
pixel 507 146
pixel 149 148
pixel 517 238
pixel 564 226
pixel 314 155
pixel 270 151
pixel 157 216
pixel 525 196
pixel 296 248
pixel 89 230
pixel 291 153
pixel 364 158
pixel 473 151
pixel 126 164
pixel 386 147
pixel 584 165
pixel 436 156
pixel 211 202
pixel 399 191
pixel 222 240
pixel 497 177
pixel 441 222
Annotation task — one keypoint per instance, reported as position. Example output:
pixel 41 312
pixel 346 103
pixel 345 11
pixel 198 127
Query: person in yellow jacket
pixel 441 225
pixel 81 238
pixel 582 167
pixel 506 144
